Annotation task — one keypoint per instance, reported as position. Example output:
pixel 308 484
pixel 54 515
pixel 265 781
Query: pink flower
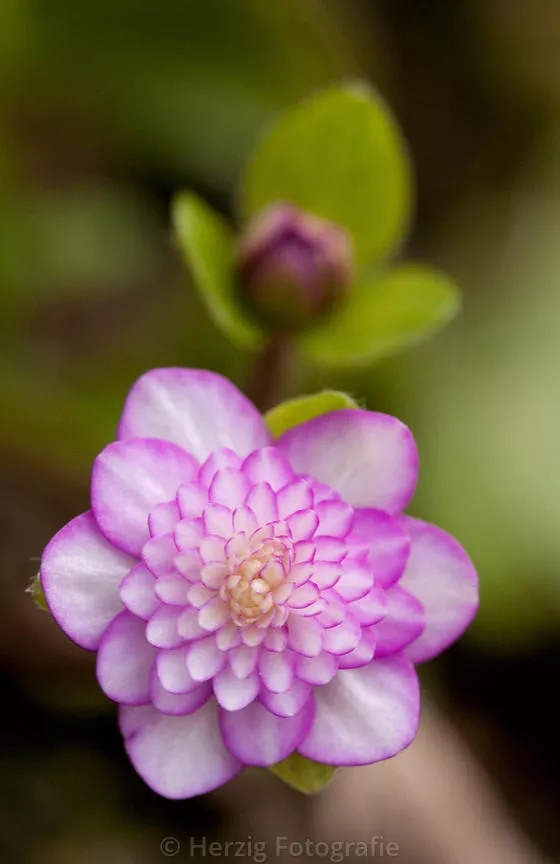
pixel 250 598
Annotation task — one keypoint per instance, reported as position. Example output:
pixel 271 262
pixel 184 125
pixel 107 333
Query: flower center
pixel 257 587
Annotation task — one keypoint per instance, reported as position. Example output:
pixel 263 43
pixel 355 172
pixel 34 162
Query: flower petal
pixel 276 639
pixel 218 460
pixel 303 552
pixel 268 465
pixel 211 549
pixel 189 533
pixel 192 498
pixel 229 487
pixel 214 575
pixel 303 597
pixel 178 757
pixel 217 520
pixel 125 661
pixel 199 410
pixel 370 609
pixel 335 517
pixel 387 542
pixel 200 595
pixel 163 518
pixel 277 670
pixel 317 670
pixel 159 554
pixel 214 614
pixel 370 459
pixel 253 635
pixel 356 580
pixel 343 637
pixel 296 495
pixel 257 737
pixel 178 704
pixel 333 612
pixel 188 626
pixel 243 660
pixel 302 524
pixel 305 635
pixel 171 666
pixel 404 621
pixel 440 574
pixel 365 715
pixel 172 589
pixel 205 659
pixel 288 703
pixel 235 693
pixel 361 655
pixel 325 574
pixel 80 574
pixel 321 492
pixel 162 628
pixel 229 637
pixel 137 592
pixel 244 520
pixel 262 501
pixel 189 565
pixel 129 479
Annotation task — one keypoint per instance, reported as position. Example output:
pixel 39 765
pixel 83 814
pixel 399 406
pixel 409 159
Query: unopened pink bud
pixel 293 266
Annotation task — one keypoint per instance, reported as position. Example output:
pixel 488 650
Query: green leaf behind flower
pixel 400 307
pixel 208 247
pixel 339 155
pixel 303 408
pixel 37 593
pixel 303 774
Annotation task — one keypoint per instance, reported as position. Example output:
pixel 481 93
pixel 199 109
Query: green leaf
pixel 338 155
pixel 207 244
pixel 296 411
pixel 403 306
pixel 303 774
pixel 36 591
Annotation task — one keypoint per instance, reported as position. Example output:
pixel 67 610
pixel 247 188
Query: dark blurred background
pixel 107 107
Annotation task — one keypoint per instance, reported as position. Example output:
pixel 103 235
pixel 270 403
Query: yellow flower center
pixel 257 585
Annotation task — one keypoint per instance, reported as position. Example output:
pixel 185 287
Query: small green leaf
pixel 296 411
pixel 36 591
pixel 207 244
pixel 338 155
pixel 401 307
pixel 303 774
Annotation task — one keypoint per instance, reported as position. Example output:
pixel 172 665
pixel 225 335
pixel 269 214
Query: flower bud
pixel 293 266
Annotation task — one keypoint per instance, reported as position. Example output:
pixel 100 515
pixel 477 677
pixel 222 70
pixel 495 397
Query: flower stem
pixel 271 372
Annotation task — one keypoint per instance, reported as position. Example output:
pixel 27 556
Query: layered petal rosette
pixel 251 598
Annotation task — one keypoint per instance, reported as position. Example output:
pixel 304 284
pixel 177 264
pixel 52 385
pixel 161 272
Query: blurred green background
pixel 107 109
